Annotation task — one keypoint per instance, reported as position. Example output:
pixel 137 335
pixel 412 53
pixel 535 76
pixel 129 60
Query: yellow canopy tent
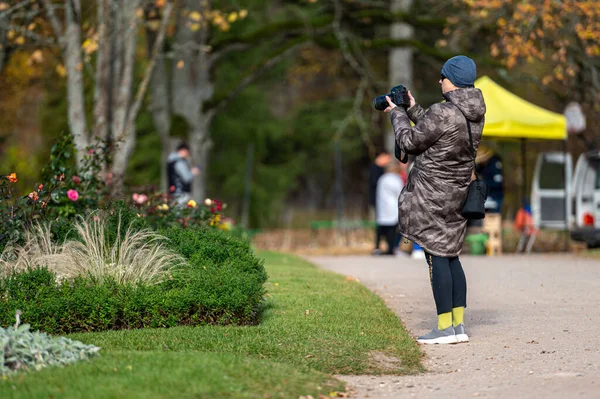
pixel 509 116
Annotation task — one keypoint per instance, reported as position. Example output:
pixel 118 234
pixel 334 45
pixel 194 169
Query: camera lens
pixel 380 103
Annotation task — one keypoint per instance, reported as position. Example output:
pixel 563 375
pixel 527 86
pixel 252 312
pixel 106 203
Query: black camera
pixel 398 95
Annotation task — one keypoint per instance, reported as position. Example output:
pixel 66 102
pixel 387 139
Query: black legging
pixel 448 283
pixel 390 234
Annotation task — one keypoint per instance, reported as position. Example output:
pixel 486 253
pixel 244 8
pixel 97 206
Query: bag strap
pixel 472 147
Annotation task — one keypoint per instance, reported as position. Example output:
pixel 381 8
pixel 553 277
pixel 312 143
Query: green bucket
pixel 477 243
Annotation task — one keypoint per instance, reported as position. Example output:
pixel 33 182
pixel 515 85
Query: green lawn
pixel 315 324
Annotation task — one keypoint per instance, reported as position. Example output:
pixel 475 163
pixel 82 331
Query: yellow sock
pixel 458 316
pixel 444 320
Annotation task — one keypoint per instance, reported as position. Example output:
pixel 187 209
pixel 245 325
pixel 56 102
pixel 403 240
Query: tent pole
pixel 567 195
pixel 524 172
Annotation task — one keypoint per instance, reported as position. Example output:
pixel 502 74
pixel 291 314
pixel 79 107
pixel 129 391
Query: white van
pixel 561 199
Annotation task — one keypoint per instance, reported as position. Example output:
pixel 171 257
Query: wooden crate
pixel 492 226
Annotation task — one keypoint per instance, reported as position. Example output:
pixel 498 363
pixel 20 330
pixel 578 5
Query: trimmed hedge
pixel 222 284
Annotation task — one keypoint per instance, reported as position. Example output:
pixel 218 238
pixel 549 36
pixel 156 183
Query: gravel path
pixel 534 324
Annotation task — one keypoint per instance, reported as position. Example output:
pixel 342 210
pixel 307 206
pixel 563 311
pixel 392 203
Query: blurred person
pixel 432 199
pixel 376 170
pixel 489 168
pixel 181 174
pixel 389 187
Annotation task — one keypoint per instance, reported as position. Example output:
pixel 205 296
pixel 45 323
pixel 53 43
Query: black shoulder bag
pixel 474 206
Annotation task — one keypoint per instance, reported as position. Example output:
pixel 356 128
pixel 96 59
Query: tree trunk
pixel 192 86
pixel 74 67
pixel 159 106
pixel 200 147
pixel 400 59
pixel 161 115
pixel 103 91
pixel 124 134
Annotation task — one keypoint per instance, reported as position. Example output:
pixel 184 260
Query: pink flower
pixel 73 195
pixel 91 151
pixel 139 198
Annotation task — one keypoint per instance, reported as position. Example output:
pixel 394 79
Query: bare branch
pixel 358 115
pixel 14 8
pixel 257 72
pixel 337 29
pixel 267 32
pixel 155 52
pixel 56 25
pixel 226 50
pixel 32 35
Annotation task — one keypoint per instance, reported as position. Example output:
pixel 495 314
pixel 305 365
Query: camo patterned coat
pixel 431 202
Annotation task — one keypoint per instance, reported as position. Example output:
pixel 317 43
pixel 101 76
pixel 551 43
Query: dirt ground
pixel 534 324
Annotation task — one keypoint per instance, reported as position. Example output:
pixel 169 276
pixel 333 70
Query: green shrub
pixel 21 349
pixel 222 267
pixel 222 283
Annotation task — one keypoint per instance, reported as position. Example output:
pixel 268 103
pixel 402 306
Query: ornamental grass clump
pixel 25 350
pixel 132 257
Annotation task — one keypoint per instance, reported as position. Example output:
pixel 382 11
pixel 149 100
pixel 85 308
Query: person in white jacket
pixel 389 187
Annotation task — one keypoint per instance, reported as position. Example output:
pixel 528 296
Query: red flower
pixel 76 179
pixel 219 207
pixel 12 177
pixel 172 189
pixel 40 187
pixel 34 196
pixel 213 209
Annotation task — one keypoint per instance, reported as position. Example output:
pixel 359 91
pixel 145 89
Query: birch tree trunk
pixel 192 86
pixel 159 106
pixel 124 137
pixel 103 92
pixel 127 106
pixel 69 38
pixel 400 59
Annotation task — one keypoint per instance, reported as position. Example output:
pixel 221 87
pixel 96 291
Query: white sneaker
pixel 418 254
pixel 436 336
pixel 461 334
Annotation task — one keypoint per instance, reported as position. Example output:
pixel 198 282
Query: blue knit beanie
pixel 461 71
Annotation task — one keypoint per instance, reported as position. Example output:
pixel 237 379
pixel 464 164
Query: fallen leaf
pixel 306 312
pixel 180 64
